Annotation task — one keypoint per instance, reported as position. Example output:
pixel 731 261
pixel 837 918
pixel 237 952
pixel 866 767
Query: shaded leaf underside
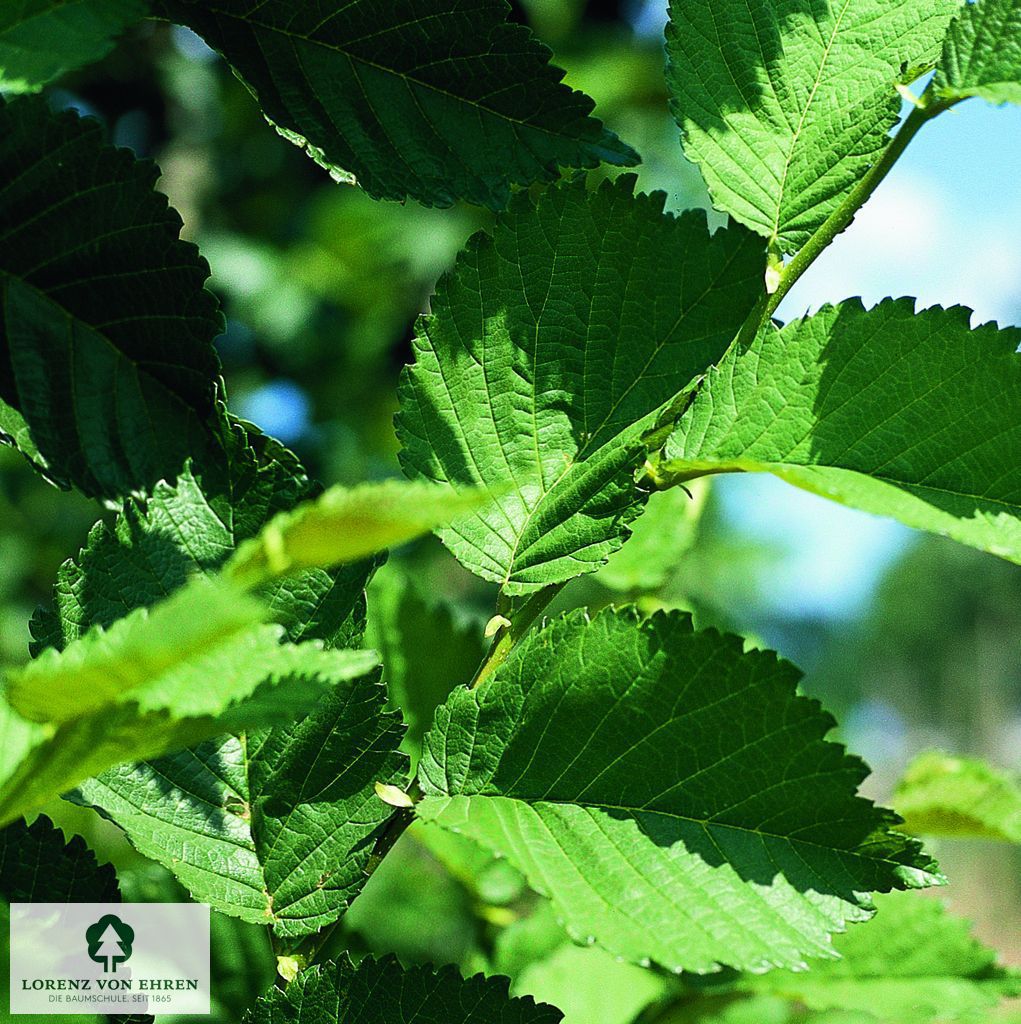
pixel 106 331
pixel 419 98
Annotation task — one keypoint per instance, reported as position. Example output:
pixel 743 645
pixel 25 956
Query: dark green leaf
pixel 383 992
pixel 419 98
pixel 672 794
pixel 105 328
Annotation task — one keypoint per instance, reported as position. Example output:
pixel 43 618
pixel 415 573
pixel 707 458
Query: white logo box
pixel 89 958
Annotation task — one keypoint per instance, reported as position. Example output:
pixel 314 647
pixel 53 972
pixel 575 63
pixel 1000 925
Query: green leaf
pixel 587 984
pixel 982 54
pixel 37 865
pixel 914 416
pixel 671 794
pixel 784 104
pixel 42 39
pixel 942 795
pixel 347 524
pixel 912 963
pixel 210 814
pixel 198 665
pixel 105 328
pixel 426 652
pixel 550 350
pixel 273 827
pixel 152 658
pixel 661 537
pixel 194 524
pixel 423 99
pixel 383 992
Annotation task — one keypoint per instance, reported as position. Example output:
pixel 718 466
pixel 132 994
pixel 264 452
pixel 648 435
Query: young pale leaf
pixel 982 54
pixel 193 525
pixel 384 992
pixel 671 794
pixel 917 417
pixel 105 328
pixel 941 795
pixel 432 100
pixel 274 827
pixel 784 104
pixel 211 814
pixel 912 964
pixel 151 658
pixel 41 39
pixel 197 666
pixel 348 524
pixel 550 350
pixel 38 865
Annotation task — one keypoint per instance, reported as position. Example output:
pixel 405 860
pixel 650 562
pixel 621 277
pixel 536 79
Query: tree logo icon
pixel 109 942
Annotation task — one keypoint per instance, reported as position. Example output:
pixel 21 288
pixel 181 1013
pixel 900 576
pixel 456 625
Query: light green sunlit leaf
pixel 785 104
pixel 982 53
pixel 672 795
pixel 551 348
pixel 348 524
pixel 912 964
pixel 914 416
pixel 943 795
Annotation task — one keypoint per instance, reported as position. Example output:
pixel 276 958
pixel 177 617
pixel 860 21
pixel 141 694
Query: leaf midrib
pixel 704 823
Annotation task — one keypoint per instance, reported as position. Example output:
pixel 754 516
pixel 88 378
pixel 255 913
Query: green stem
pixel 927 108
pixel 510 635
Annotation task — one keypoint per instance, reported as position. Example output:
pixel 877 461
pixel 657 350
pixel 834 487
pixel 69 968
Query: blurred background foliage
pixel 912 642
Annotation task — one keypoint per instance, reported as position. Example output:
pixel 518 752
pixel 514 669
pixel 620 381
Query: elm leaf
pixel 552 347
pixel 914 416
pixel 982 54
pixel 784 105
pixel 409 98
pixel 106 330
pixel 384 992
pixel 671 794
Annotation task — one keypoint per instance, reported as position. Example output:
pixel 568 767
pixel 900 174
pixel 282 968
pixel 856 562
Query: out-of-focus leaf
pixel 942 795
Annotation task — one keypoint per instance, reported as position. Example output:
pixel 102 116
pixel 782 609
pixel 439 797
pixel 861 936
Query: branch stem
pixel 508 636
